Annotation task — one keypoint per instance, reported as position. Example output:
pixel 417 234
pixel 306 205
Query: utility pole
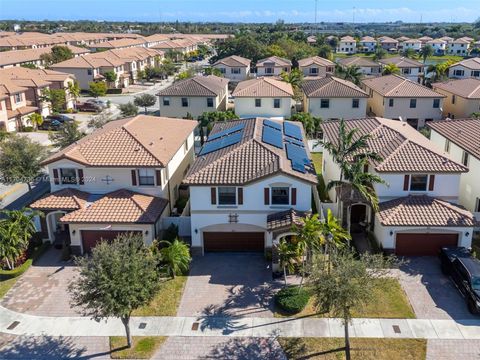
pixel 353 15
pixel 316 26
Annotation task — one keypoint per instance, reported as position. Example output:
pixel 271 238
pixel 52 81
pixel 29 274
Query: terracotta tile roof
pixel 368 39
pixel 248 160
pixel 317 60
pixel 148 141
pixel 403 38
pixel 263 87
pixel 446 38
pixel 402 62
pixel 397 86
pixel 65 199
pixel 22 56
pixel 467 88
pixel 472 64
pixel 210 85
pixel 461 41
pixel 412 41
pixel 436 41
pixel 24 110
pixel 23 78
pixel 88 62
pixel 121 206
pixel 120 43
pixel 234 60
pixel 425 38
pixel 402 148
pixel 386 39
pixel 422 210
pixel 463 132
pixel 347 39
pixel 332 87
pixel 285 219
pixel 276 60
pixel 9 87
pixel 358 61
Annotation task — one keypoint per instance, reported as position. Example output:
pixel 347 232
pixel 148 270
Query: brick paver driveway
pixel 432 294
pixel 42 290
pixel 229 284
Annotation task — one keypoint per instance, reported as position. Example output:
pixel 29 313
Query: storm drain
pixel 13 325
pixel 195 326
pixel 396 329
pixel 142 325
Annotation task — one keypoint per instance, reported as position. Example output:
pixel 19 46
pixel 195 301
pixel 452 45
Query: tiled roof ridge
pixel 454 207
pixel 124 128
pixel 132 195
pixel 475 90
pixel 400 84
pixel 394 152
pixel 196 79
pixel 442 155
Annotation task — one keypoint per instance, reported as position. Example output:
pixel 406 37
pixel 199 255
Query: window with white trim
pixel 18 98
pixel 146 177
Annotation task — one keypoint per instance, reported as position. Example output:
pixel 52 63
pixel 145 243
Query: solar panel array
pixel 292 141
pixel 226 132
pixel 223 139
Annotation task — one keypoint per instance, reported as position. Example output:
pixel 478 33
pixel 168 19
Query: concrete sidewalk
pixel 31 325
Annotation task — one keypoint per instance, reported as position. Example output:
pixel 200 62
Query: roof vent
pixel 136 149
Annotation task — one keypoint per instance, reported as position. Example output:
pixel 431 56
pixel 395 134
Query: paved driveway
pixel 229 284
pixel 432 294
pixel 42 290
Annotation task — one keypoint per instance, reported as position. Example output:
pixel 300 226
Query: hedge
pixel 114 91
pixel 292 299
pixel 10 274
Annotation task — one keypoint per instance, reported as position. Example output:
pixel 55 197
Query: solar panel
pixel 292 130
pixel 272 124
pixel 294 141
pixel 226 132
pixel 272 136
pixel 221 143
pixel 298 166
pixel 297 154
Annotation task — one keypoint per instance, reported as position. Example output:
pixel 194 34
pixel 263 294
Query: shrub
pixel 292 299
pixel 10 274
pixel 27 129
pixel 171 233
pixel 114 91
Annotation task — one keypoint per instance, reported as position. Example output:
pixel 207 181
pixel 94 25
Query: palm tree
pixel 287 255
pixel 390 69
pixel 426 52
pixel 294 78
pixel 350 73
pixel 175 257
pixel 35 119
pixel 74 91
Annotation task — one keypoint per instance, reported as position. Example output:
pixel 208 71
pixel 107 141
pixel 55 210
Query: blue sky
pixel 242 10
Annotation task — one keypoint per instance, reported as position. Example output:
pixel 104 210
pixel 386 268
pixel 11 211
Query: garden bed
pixel 143 347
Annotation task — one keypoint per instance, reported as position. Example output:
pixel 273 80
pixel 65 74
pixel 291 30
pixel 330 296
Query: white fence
pixel 183 223
pixel 313 147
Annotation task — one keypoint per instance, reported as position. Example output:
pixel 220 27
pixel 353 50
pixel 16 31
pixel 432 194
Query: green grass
pixel 167 299
pixel 361 348
pixel 389 301
pixel 143 347
pixel 317 159
pixel 6 285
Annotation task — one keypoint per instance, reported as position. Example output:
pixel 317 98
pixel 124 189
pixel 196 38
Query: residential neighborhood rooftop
pixel 472 63
pixel 263 87
pixel 234 60
pixel 276 60
pixel 315 60
pixel 401 62
pixel 468 88
pixel 400 87
pixel 358 61
pixel 199 85
pixel 332 87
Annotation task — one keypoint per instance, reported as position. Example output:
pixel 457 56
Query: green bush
pixel 10 274
pixel 114 91
pixel 27 129
pixel 171 233
pixel 292 299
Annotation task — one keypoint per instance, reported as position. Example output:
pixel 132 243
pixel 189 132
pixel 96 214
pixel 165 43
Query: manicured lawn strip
pixel 143 347
pixel 361 348
pixel 167 299
pixel 317 159
pixel 390 301
pixel 6 285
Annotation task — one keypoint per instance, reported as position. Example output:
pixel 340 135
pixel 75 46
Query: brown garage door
pixel 423 244
pixel 233 241
pixel 91 237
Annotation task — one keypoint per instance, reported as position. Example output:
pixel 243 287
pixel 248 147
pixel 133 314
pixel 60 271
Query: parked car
pixel 99 102
pixel 50 124
pixel 89 106
pixel 464 270
pixel 61 118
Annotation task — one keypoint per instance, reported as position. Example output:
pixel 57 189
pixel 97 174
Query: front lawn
pixel 167 299
pixel 317 159
pixel 143 347
pixel 390 301
pixel 361 348
pixel 6 285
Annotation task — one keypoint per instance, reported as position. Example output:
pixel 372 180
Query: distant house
pixel 389 44
pixel 462 97
pixel 465 69
pixel 312 40
pixel 395 97
pixel 447 39
pixel 273 66
pixel 459 47
pixel 194 96
pixel 347 45
pixel 316 66
pixel 367 44
pixel 334 98
pixel 413 44
pixel 235 68
pixel 425 39
pixel 264 97
pixel 401 40
pixel 14 108
pixel 366 66
pixel 439 46
pixel 409 68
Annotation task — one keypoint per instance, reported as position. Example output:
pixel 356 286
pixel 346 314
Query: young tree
pixel 145 101
pixel 409 53
pixel 110 77
pixel 349 283
pixel 74 90
pixel 58 54
pixel 390 69
pixel 116 279
pixel 56 98
pixel 350 73
pixel 212 71
pixel 20 160
pixel 311 124
pixel 287 256
pixel 128 109
pixel 175 257
pixel 66 135
pixel 208 118
pixel 425 52
pixel 294 78
pixel 380 53
pixel 325 51
pixel 97 88
pixel 35 119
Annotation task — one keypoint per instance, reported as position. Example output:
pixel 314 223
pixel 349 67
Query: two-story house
pixel 461 140
pixel 462 97
pixel 439 46
pixel 389 44
pixel 425 39
pixel 401 42
pixel 316 66
pixel 465 69
pixel 273 66
pixel 418 211
pixel 267 97
pixel 409 68
pixel 14 112
pixel 395 97
pixel 334 98
pixel 251 181
pixel 121 178
pixel 367 44
pixel 459 47
pixel 366 66
pixel 234 68
pixel 194 96
pixel 413 44
pixel 347 45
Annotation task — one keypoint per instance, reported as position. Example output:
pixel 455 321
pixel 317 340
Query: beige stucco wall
pixel 277 70
pixel 81 74
pixel 322 70
pixel 243 75
pixel 462 108
pixel 197 105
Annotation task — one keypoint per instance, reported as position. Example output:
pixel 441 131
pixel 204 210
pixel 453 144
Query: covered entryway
pixel 426 244
pixel 233 241
pixel 90 238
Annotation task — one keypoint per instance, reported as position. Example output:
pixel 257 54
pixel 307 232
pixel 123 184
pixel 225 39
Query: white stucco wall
pixel 340 108
pixel 467 73
pixel 197 105
pixel 227 72
pixel 245 107
pixel 277 70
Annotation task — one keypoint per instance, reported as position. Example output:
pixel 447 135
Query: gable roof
pixel 368 39
pixel 472 64
pixel 199 85
pixel 246 161
pixel 387 39
pixel 28 55
pixel 347 38
pixel 317 60
pixel 468 88
pixel 332 87
pixel 88 62
pixel 148 141
pixel 234 60
pixel 425 38
pixel 401 62
pixel 402 148
pixel 263 87
pixel 398 86
pixel 65 199
pixel 358 61
pixel 276 60
pixel 463 132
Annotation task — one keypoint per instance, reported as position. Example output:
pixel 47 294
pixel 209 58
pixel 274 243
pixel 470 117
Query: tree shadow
pixel 214 318
pixel 45 347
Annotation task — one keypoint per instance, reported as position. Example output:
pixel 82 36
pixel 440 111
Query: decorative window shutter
pixel 294 196
pixel 406 182
pixel 266 196
pixel 134 177
pixel 240 196
pixel 213 195
pixel 81 180
pixel 158 176
pixel 431 183
pixel 56 179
